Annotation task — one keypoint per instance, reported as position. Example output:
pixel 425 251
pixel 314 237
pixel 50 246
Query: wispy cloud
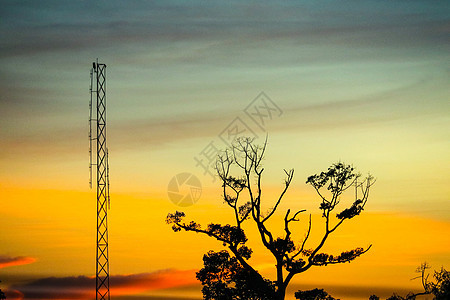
pixel 80 287
pixel 413 101
pixel 8 261
pixel 54 27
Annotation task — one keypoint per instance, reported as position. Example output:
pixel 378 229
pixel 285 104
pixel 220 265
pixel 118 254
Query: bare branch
pixel 287 183
pixel 304 240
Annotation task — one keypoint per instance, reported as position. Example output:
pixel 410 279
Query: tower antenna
pixel 98 133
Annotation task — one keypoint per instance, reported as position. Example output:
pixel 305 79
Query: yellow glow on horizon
pixel 139 238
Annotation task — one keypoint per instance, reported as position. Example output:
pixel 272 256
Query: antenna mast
pixel 98 133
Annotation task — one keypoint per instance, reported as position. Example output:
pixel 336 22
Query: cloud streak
pixel 155 23
pixel 81 287
pixel 8 261
pixel 395 104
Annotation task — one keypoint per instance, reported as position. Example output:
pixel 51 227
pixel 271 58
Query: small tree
pixel 291 259
pixel 2 295
pixel 315 294
pixel 440 287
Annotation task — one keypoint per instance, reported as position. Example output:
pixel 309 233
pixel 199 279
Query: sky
pixel 361 82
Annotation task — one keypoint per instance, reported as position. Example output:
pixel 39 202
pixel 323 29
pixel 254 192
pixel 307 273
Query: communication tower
pixel 97 132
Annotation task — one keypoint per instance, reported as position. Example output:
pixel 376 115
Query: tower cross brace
pixel 98 80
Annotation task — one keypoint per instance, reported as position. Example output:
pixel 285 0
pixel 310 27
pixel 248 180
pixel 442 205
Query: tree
pixel 315 294
pixel 440 287
pixel 2 295
pixel 396 297
pixel 246 158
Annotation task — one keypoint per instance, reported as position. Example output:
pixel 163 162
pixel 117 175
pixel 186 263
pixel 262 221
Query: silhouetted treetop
pixel 439 288
pixel 240 171
pixel 315 294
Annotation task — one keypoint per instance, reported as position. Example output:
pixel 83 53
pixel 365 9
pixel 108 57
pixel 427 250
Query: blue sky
pixel 178 72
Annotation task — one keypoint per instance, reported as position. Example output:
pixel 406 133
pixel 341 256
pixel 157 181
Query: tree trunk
pixel 281 287
pixel 281 293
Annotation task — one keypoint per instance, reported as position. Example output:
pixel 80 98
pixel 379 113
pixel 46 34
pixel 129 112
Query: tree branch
pixel 287 182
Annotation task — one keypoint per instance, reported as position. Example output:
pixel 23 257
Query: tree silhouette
pixel 315 294
pixel 440 287
pixel 246 158
pixel 2 295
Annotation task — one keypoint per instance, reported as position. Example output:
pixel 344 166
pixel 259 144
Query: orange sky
pixel 144 243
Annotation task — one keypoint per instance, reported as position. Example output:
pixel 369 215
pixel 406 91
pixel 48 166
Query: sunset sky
pixel 362 82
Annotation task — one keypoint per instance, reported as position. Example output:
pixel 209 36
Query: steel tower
pixel 98 133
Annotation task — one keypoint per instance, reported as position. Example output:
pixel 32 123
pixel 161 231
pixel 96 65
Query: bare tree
pixel 291 259
pixel 439 288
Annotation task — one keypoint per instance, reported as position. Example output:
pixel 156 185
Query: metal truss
pixel 98 74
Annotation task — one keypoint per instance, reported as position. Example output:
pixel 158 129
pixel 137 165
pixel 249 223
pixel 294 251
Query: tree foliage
pixel 223 277
pixel 315 294
pixel 245 159
pixel 441 288
pixel 2 294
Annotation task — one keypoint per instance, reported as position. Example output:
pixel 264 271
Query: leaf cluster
pixel 228 234
pixel 352 211
pixel 323 259
pixel 335 178
pixel 224 278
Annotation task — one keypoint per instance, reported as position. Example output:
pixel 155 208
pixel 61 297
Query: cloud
pixel 408 101
pixel 7 261
pixel 60 28
pixel 13 294
pixel 81 287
